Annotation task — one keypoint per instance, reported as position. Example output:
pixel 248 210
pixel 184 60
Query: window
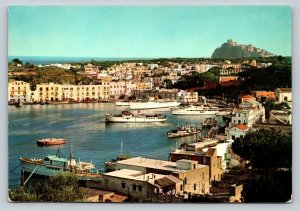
pixel 194 166
pixel 194 186
pixel 185 181
pixel 181 187
pixel 140 188
pixel 123 185
pixel 285 98
pixel 134 187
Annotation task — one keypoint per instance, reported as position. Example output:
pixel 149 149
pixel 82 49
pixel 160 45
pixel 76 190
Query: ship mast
pixel 70 157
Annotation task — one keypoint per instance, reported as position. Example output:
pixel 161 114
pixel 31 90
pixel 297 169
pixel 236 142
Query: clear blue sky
pixel 182 31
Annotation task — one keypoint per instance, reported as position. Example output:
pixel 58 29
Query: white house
pixel 236 131
pixel 283 94
pixel 187 97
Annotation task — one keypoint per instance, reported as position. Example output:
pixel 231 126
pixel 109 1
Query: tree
pixel 270 154
pixel 17 61
pixel 265 149
pixel 268 188
pixel 168 83
pixel 60 188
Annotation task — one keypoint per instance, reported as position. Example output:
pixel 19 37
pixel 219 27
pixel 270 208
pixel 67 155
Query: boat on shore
pixel 185 130
pixel 52 165
pixel 51 141
pixel 153 105
pixel 195 110
pixel 127 116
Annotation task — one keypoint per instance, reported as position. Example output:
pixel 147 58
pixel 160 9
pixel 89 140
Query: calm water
pixel 83 125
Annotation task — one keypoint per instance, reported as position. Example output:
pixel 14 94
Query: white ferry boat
pixel 127 116
pixel 195 110
pixel 152 105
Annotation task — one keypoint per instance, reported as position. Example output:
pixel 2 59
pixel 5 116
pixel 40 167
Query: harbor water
pixel 84 127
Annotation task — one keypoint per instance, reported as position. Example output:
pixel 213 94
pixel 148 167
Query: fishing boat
pixel 185 130
pixel 111 165
pixel 195 110
pixel 210 121
pixel 52 165
pixel 127 116
pixel 152 105
pixel 51 141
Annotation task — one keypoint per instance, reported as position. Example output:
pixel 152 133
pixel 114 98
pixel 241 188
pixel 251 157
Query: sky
pixel 145 32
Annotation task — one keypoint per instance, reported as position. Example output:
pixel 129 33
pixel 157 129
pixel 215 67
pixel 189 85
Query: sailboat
pixel 111 165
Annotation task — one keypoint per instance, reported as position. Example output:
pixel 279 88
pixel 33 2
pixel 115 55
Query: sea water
pixel 84 127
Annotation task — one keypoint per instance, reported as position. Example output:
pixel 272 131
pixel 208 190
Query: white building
pixel 187 97
pixel 283 94
pixel 19 91
pixel 248 113
pixel 236 131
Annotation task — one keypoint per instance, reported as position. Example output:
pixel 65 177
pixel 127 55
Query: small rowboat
pixel 51 141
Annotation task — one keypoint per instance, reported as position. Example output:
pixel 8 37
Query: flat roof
pixel 154 164
pixel 135 175
pixel 204 143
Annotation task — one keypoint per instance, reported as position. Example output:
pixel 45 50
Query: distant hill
pixel 233 50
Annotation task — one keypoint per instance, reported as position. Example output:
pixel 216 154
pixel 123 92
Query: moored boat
pixel 195 110
pixel 52 165
pixel 51 141
pixel 185 130
pixel 153 105
pixel 127 116
pixel 122 103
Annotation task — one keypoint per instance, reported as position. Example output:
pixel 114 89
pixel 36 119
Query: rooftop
pixel 155 164
pixel 135 175
pixel 204 143
pixel 241 127
pixel 284 89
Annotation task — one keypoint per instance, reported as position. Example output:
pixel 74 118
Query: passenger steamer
pixel 152 105
pixel 195 110
pixel 127 116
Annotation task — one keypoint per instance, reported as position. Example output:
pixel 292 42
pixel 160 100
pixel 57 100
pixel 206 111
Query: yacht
pixel 127 116
pixel 153 105
pixel 195 110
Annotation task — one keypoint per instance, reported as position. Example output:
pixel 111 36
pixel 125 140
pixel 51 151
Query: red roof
pixel 242 127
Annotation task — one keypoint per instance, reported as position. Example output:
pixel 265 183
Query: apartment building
pixel 195 177
pixel 19 91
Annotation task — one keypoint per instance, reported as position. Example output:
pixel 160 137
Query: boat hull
pixel 177 135
pixel 134 119
pixel 152 105
pixel 122 103
pixel 40 169
pixel 50 142
pixel 183 112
